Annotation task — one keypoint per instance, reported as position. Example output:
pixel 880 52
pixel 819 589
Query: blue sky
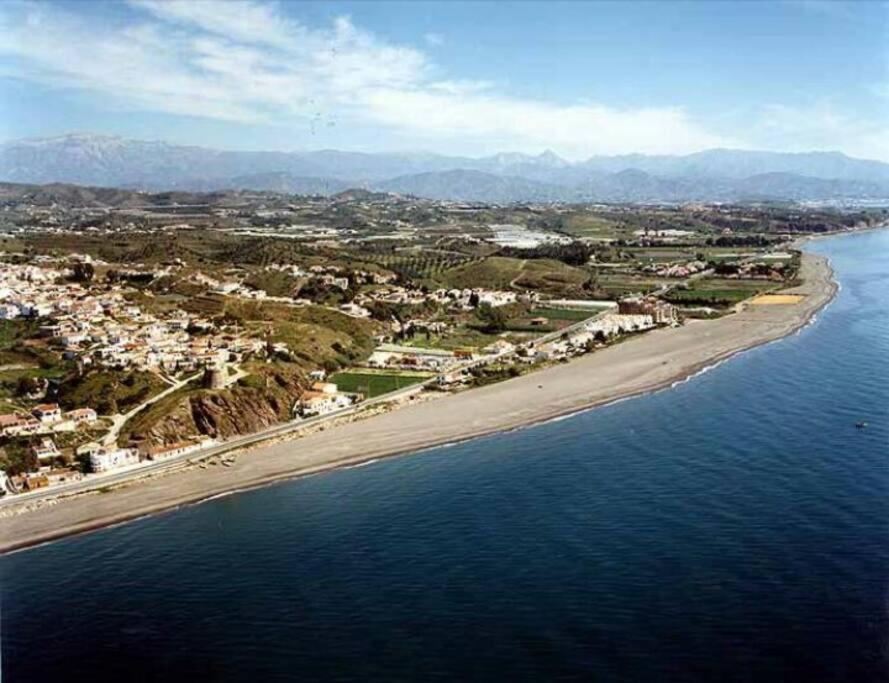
pixel 453 77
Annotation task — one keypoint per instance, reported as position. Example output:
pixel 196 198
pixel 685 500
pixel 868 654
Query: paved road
pixel 102 481
pixel 120 420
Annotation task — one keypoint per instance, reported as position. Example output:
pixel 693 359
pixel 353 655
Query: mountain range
pixel 711 175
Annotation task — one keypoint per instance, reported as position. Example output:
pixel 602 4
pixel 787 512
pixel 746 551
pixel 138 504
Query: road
pixel 118 421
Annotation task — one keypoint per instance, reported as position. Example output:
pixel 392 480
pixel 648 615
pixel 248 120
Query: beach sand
pixel 638 365
pixel 776 299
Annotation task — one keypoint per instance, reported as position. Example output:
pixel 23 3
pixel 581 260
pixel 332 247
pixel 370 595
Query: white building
pixel 105 459
pixel 48 413
pixel 46 450
pixel 314 403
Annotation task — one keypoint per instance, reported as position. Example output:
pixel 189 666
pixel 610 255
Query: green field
pixel 567 314
pixel 720 292
pixel 709 297
pixel 591 226
pixel 375 383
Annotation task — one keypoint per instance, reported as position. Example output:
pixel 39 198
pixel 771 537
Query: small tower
pixel 215 376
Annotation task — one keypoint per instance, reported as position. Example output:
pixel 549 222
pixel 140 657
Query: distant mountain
pixel 276 181
pixel 739 164
pixel 712 175
pixel 474 186
pixel 62 194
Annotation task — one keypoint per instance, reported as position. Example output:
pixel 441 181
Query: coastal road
pixel 102 481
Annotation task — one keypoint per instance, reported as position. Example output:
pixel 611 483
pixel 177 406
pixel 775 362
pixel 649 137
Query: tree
pixel 380 310
pixel 494 318
pixel 83 272
pixel 592 283
pixel 27 386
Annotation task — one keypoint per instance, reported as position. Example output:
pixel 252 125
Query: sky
pixel 471 78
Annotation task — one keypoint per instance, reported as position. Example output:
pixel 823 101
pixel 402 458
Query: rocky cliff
pixel 266 399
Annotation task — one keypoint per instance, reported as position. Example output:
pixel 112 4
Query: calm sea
pixel 734 528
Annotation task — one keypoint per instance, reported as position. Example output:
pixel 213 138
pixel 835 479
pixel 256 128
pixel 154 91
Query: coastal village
pixel 128 341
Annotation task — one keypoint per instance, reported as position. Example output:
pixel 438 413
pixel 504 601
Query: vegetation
pixel 108 391
pixel 372 384
pixel 564 314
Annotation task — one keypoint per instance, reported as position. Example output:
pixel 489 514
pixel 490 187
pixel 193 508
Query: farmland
pixel 372 383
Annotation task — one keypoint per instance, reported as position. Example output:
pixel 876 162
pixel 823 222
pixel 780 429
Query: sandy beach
pixel 639 365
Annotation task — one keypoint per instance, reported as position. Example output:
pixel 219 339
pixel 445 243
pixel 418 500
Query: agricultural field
pixel 459 337
pixel 423 264
pixel 720 292
pixel 592 227
pixel 567 315
pixel 372 383
pixel 546 276
pixel 556 319
pixel 616 285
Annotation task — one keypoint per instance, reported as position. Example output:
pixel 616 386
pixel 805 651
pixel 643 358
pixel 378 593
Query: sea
pixel 734 527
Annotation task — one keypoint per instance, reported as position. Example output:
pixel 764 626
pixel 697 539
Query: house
pixel 17 425
pixel 318 375
pixel 9 424
pixel 48 413
pixel 82 416
pixel 8 311
pixel 661 312
pixel 106 459
pixel 6 485
pixel 449 379
pixel 46 450
pixel 178 448
pixel 62 476
pixel 314 403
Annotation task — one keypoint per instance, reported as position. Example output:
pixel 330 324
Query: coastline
pixel 638 366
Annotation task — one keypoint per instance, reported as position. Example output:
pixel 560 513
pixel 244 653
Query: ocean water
pixel 733 528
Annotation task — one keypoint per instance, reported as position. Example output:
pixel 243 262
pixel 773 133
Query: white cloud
pixel 246 61
pixel 574 130
pixel 820 126
pixel 434 39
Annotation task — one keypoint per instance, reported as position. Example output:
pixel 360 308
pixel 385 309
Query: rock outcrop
pixel 242 409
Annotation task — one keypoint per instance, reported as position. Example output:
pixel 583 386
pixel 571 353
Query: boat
pixel 860 425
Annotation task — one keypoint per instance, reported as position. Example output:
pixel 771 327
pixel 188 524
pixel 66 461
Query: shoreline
pixel 652 362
